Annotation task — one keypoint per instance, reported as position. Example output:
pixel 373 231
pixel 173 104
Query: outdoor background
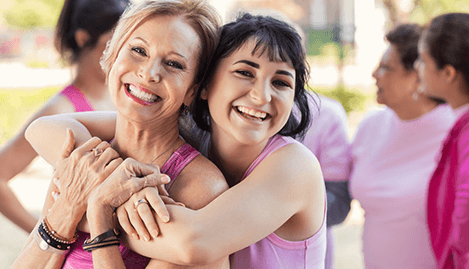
pixel 344 41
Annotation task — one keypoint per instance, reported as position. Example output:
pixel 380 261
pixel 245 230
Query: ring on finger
pixel 146 181
pixel 97 152
pixel 141 201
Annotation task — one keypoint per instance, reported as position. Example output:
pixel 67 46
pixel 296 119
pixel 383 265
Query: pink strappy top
pixel 275 252
pixel 77 258
pixel 77 98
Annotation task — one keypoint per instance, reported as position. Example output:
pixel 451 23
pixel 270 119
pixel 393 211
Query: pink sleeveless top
pixel 77 98
pixel 275 252
pixel 77 258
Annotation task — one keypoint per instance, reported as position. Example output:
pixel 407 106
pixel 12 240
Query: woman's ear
pixel 190 95
pixel 449 73
pixel 204 94
pixel 81 37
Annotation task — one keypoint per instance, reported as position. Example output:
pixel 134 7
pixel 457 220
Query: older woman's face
pixel 154 71
pixel 395 84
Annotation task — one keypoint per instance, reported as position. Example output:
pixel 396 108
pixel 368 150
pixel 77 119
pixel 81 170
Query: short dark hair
pixel 95 17
pixel 281 42
pixel 405 38
pixel 446 38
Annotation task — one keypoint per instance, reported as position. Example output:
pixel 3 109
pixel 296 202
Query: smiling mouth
pixel 144 96
pixel 252 114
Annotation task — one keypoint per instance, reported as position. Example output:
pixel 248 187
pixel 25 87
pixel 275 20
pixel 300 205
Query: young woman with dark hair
pixel 444 71
pixel 83 29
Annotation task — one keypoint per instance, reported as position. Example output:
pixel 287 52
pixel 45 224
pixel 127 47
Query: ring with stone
pixel 97 152
pixel 141 201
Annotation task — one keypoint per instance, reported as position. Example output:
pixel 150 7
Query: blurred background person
pixel 82 31
pixel 444 71
pixel 327 138
pixel 394 153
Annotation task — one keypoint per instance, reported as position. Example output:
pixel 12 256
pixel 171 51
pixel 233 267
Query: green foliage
pixel 425 10
pixel 18 105
pixel 26 14
pixel 351 99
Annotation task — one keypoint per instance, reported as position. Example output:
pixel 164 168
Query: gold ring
pixel 141 201
pixel 97 152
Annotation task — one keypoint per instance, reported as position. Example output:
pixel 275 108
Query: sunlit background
pixel 343 39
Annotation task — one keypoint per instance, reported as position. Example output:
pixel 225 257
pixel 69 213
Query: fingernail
pixel 154 233
pixel 181 204
pixel 134 235
pixel 146 238
pixel 165 179
pixel 165 218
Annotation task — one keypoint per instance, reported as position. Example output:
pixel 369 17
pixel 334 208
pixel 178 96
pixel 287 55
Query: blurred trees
pixel 27 14
pixel 421 11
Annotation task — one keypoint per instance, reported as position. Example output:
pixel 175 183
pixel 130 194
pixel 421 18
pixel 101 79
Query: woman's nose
pixel 261 92
pixel 150 72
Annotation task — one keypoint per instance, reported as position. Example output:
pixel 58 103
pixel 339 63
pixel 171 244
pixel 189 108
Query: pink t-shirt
pixel 392 164
pixel 77 98
pixel 327 139
pixel 275 252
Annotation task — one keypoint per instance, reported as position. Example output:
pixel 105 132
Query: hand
pixel 80 171
pixel 137 219
pixel 130 177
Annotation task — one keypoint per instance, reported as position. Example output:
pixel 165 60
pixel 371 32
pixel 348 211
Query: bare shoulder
pixel 198 184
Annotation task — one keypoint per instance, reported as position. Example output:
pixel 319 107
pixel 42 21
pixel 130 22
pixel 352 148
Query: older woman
pixel 154 64
pixel 444 54
pixel 393 153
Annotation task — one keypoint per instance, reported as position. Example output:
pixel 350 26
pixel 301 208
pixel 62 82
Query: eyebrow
pixel 255 65
pixel 172 52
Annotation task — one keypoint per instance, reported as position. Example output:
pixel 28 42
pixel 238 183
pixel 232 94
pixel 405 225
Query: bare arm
pixel 15 156
pixel 284 185
pixel 47 134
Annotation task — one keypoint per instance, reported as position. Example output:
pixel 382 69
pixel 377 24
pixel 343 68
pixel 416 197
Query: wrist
pixel 100 218
pixel 64 220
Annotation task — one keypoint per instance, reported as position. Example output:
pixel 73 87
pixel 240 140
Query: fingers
pixel 87 147
pixel 147 217
pixel 68 146
pixel 158 205
pixel 123 217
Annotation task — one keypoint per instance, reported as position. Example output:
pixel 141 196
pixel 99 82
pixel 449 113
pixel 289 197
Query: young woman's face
pixel 430 76
pixel 395 84
pixel 250 97
pixel 154 71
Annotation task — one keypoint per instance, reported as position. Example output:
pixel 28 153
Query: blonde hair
pixel 202 17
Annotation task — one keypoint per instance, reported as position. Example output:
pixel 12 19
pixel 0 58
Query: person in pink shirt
pixel 444 71
pixel 394 153
pixel 82 31
pixel 327 138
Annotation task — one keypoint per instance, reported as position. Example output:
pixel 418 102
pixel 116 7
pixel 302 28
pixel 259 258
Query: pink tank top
pixel 77 258
pixel 77 98
pixel 275 252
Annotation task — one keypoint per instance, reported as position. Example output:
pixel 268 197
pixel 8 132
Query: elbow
pixel 30 132
pixel 194 252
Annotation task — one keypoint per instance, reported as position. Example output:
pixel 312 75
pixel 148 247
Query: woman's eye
pixel 281 83
pixel 139 50
pixel 175 65
pixel 244 73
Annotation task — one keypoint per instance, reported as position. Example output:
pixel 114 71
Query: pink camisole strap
pixel 77 98
pixel 180 158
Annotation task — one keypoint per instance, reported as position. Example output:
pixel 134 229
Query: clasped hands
pixel 95 175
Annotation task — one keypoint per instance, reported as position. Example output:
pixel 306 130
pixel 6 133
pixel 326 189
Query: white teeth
pixel 147 97
pixel 252 112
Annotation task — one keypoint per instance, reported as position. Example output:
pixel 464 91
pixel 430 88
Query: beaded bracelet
pixel 101 241
pixel 50 239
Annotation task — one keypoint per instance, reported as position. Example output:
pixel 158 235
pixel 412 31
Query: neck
pixel 144 143
pixel 416 109
pixel 232 157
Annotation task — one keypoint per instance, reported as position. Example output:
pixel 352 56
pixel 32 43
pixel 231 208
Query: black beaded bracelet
pixel 50 240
